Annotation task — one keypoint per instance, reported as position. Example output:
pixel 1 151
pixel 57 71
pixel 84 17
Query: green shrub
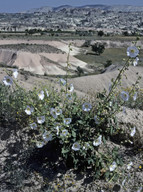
pixel 77 128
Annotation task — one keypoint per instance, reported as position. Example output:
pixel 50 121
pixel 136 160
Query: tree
pixel 100 33
pixel 98 48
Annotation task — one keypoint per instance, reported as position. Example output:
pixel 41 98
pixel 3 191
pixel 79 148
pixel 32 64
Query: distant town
pixel 109 19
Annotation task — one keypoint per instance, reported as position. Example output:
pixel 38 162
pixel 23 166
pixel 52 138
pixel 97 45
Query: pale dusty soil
pixel 42 62
pixel 22 173
pixel 96 83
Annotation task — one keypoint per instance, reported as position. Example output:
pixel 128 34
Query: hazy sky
pixel 22 5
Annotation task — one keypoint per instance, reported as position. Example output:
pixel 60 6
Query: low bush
pixel 79 129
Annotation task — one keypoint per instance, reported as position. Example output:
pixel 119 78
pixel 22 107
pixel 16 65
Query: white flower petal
pixel 133 131
pixel 70 88
pixel 129 165
pixel 98 141
pixel 15 73
pixel 41 95
pixel 40 144
pixel 113 166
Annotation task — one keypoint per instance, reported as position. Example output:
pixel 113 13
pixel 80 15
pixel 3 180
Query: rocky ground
pixel 25 168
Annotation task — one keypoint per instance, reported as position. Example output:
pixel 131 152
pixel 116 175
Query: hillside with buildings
pixel 110 19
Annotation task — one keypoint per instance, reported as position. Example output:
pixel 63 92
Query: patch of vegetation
pixel 33 48
pixel 75 131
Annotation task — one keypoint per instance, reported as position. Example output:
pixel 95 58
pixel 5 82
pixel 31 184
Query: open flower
pixel 132 51
pixel 129 165
pixel 64 133
pixel 58 111
pixel 113 166
pixel 40 144
pixel 53 112
pixel 29 110
pixel 47 136
pixel 33 125
pixel 41 95
pixel 125 96
pixel 133 131
pixel 67 121
pixel 86 107
pixel 41 119
pixel 7 81
pixel 76 146
pixel 15 73
pixel 98 141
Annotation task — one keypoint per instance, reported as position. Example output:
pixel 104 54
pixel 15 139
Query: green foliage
pixel 108 63
pixel 100 33
pixel 79 129
pixel 98 48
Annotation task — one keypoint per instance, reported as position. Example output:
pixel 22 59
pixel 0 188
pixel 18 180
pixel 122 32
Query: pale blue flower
pixel 53 113
pixel 41 95
pixel 47 136
pixel 8 81
pixel 67 121
pixel 41 119
pixel 58 111
pixel 86 107
pixel 33 126
pixel 64 133
pixel 132 51
pixel 125 96
pixel 29 110
pixel 69 97
pixel 76 146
